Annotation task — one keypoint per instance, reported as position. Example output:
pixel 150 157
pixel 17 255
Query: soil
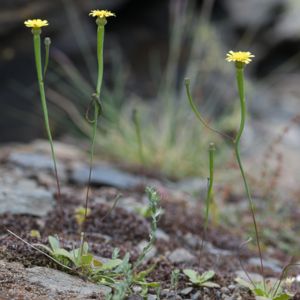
pixel 125 229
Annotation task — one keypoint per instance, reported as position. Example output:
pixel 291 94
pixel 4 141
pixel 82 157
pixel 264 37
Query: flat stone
pixel 161 235
pixel 32 160
pixel 58 282
pixel 25 197
pixel 272 264
pixel 105 175
pixel 181 255
pixel 191 185
pixel 254 276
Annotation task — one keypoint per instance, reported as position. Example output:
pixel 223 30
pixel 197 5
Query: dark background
pixel 270 29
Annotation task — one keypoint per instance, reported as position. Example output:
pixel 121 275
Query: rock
pixel 58 282
pixel 254 276
pixel 186 291
pixel 181 255
pixel 225 290
pixel 191 185
pixel 161 235
pixel 25 197
pixel 105 175
pixel 198 295
pixel 31 160
pixel 272 264
pixel 216 251
pixel 170 295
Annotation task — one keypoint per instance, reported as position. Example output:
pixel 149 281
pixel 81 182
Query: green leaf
pixel 283 297
pixel 207 276
pixel 260 292
pixel 111 264
pixel 193 275
pixel 97 263
pixel 86 260
pixel 143 274
pixel 63 252
pixel 54 242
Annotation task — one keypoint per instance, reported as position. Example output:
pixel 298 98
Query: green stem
pixel 137 125
pixel 197 113
pixel 211 182
pixel 100 42
pixel 97 105
pixel 211 151
pixel 241 90
pixel 38 63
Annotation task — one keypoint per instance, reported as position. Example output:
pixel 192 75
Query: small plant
pixel 240 59
pixel 101 20
pixel 129 272
pixel 36 25
pixel 268 291
pixel 175 279
pixel 203 280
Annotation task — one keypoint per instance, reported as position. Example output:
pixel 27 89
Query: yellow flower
pixel 36 23
pixel 102 14
pixel 242 57
pixel 80 214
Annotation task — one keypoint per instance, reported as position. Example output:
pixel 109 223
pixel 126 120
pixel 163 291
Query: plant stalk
pixel 241 90
pixel 38 63
pixel 97 105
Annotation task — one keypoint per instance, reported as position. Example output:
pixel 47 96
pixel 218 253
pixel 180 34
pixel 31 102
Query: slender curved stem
pixel 38 63
pixel 241 90
pixel 197 113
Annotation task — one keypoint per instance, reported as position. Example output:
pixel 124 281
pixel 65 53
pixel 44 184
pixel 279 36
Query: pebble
pixel 181 255
pixel 59 282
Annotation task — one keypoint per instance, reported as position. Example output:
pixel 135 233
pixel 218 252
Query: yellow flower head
pixel 242 57
pixel 36 23
pixel 102 14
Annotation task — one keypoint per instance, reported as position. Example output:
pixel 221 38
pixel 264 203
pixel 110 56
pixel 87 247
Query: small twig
pixel 37 249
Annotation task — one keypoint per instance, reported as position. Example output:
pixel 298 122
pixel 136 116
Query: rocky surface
pixel 179 235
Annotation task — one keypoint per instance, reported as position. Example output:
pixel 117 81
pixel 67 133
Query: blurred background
pixel 150 47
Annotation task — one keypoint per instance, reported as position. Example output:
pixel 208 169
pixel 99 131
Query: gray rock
pixel 186 291
pixel 105 175
pixel 254 276
pixel 181 255
pixel 58 282
pixel 161 235
pixel 272 264
pixel 216 251
pixel 197 296
pixel 25 197
pixel 32 160
pixel 192 185
pixel 225 290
